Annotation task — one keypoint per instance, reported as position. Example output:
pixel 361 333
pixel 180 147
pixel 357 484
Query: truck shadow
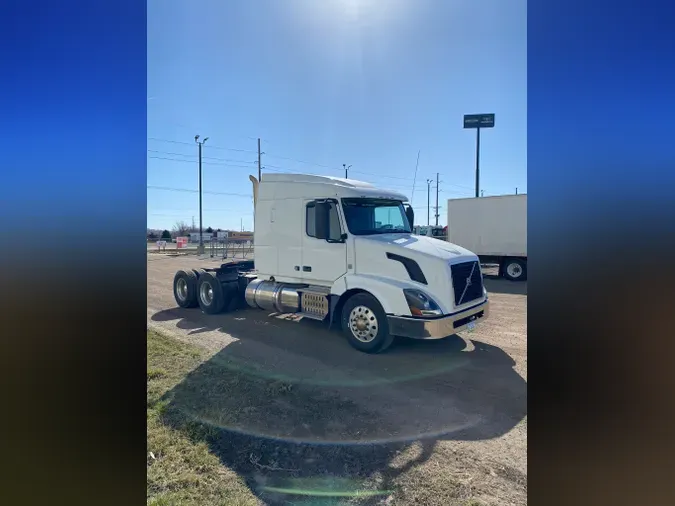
pixel 298 413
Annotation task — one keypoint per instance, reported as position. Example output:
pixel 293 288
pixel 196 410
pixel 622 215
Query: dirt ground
pixel 424 419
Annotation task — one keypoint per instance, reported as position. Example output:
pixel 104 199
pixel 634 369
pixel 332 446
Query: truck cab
pixel 342 249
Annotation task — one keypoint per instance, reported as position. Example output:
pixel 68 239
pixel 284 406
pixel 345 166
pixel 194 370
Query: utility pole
pixel 429 181
pixel 201 239
pixel 259 164
pixel 477 160
pixel 437 198
pixel 516 190
pixel 346 167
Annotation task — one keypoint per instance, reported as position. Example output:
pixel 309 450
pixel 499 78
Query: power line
pixel 463 187
pixel 356 171
pixel 166 188
pixel 205 163
pixel 203 157
pixel 286 170
pixel 183 213
pixel 210 147
pixel 301 161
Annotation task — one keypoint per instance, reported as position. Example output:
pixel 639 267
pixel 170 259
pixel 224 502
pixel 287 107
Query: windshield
pixel 375 216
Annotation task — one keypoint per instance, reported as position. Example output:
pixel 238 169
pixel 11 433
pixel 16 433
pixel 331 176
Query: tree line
pixel 180 229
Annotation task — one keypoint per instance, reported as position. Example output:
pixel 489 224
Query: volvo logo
pixel 468 282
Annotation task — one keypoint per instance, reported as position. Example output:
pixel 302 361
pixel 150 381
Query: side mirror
pixel 321 219
pixel 411 215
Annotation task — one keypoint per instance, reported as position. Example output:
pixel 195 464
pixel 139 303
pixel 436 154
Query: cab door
pixel 324 247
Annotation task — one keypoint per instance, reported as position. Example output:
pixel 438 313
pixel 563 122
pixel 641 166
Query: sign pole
pixel 478 121
pixel 477 161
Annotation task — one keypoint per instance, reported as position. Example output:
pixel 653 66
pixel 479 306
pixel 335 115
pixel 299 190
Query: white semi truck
pixel 341 251
pixel 495 228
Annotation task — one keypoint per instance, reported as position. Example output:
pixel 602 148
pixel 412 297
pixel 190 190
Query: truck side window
pixel 334 232
pixel 310 220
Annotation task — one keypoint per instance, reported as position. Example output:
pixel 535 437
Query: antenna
pixel 412 196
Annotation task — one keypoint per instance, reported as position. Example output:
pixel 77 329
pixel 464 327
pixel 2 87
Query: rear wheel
pixel 185 288
pixel 210 294
pixel 364 322
pixel 515 269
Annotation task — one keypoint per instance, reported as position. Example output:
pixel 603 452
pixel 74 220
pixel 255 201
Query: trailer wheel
pixel 364 322
pixel 185 288
pixel 515 269
pixel 210 294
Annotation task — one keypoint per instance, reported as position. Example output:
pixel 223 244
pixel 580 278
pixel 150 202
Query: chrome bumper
pixel 418 328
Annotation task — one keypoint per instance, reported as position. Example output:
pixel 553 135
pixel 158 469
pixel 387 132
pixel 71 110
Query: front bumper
pixel 437 328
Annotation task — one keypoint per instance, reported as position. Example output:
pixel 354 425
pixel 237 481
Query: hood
pixel 421 245
pixel 432 256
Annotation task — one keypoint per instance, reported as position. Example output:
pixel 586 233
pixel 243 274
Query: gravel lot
pixel 456 407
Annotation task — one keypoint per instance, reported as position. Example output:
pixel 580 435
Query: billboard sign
pixel 479 120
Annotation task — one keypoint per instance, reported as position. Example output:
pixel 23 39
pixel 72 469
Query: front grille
pixel 466 292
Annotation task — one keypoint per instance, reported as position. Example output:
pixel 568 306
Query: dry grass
pixel 191 462
pixel 180 468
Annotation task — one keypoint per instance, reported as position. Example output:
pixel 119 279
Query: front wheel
pixel 364 322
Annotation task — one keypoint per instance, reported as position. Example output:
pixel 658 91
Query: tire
pixel 198 272
pixel 378 339
pixel 515 269
pixel 210 294
pixel 185 289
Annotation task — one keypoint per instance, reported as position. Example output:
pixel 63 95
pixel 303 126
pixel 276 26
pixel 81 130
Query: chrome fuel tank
pixel 272 296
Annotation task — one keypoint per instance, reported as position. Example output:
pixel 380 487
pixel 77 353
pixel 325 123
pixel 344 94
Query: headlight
pixel 484 292
pixel 421 304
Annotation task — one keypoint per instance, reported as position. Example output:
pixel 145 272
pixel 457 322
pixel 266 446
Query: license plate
pixel 470 326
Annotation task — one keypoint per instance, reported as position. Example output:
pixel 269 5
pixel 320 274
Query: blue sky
pixel 361 82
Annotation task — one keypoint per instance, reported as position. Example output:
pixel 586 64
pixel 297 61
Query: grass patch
pixel 180 469
pixel 220 433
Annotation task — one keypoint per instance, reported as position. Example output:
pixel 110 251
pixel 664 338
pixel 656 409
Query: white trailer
pixel 430 231
pixel 342 251
pixel 495 228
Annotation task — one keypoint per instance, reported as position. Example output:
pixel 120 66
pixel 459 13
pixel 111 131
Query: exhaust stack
pixel 255 190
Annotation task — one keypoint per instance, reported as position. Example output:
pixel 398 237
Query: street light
pixel 201 238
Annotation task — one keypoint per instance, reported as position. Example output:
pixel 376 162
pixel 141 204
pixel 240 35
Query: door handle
pixel 307 268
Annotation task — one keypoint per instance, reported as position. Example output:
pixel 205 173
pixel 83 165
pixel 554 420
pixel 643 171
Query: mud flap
pixel 333 302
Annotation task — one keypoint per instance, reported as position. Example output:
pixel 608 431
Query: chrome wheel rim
pixel 182 289
pixel 206 293
pixel 514 270
pixel 363 324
